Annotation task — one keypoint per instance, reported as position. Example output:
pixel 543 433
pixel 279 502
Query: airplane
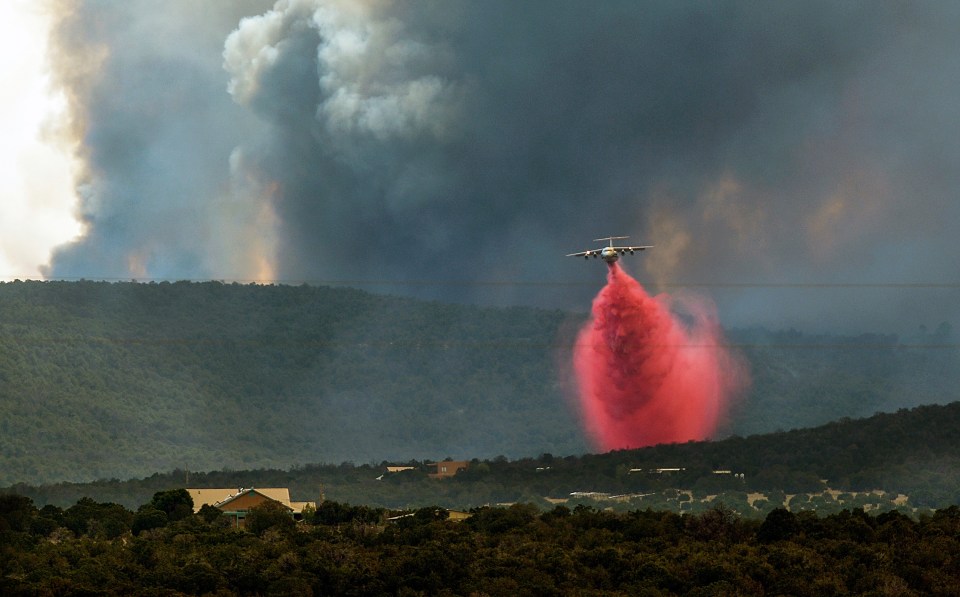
pixel 609 253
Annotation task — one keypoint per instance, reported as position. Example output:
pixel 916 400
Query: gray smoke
pixel 423 147
pixel 155 130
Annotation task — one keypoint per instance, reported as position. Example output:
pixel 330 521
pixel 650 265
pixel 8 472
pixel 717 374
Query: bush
pixel 269 515
pixel 146 518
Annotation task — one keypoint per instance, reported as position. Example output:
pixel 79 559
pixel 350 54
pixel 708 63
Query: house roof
pixel 222 504
pixel 219 496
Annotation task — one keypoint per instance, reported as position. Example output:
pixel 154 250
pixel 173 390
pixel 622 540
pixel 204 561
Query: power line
pixel 360 282
pixel 459 344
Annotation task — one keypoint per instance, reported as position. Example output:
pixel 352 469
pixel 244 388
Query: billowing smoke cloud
pixel 804 142
pixel 156 130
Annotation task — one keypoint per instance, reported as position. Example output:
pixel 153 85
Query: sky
pixel 36 188
pixel 796 162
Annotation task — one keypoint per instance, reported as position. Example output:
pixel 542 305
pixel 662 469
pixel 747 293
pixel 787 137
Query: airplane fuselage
pixel 610 255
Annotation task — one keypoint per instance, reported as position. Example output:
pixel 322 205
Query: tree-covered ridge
pixel 803 380
pixel 105 380
pixel 105 549
pixel 118 380
pixel 907 461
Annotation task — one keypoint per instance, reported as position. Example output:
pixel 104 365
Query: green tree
pixel 16 512
pixel 175 503
pixel 269 515
pixel 780 525
pixel 210 513
pixel 88 517
pixel 148 517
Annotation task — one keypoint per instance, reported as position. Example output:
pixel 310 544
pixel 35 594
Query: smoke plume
pixel 647 378
pixel 426 147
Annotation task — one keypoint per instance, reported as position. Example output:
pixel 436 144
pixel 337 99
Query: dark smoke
pixel 448 142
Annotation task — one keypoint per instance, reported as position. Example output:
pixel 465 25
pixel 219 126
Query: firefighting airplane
pixel 609 253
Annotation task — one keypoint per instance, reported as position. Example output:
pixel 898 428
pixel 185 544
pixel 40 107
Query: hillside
pixel 116 380
pixel 910 452
pixel 119 380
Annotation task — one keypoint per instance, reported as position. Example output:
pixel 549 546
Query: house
pixel 396 469
pixel 236 502
pixel 452 515
pixel 458 515
pixel 658 471
pixel 448 468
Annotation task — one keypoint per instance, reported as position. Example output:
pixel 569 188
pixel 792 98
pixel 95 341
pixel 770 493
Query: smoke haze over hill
pixel 805 144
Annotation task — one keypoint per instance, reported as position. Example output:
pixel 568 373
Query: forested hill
pixel 101 380
pixel 911 452
pixel 123 379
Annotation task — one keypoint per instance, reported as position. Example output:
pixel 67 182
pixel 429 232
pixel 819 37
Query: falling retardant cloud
pixel 645 377
pixel 803 143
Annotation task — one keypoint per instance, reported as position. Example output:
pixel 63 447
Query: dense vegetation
pixel 117 380
pixel 802 380
pixel 911 452
pixel 104 549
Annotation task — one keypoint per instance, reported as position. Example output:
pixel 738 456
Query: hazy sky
pixel 796 161
pixel 36 190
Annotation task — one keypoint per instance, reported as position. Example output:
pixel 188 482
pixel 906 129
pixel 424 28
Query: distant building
pixel 596 495
pixel 658 471
pixel 399 469
pixel 236 502
pixel 452 516
pixel 448 468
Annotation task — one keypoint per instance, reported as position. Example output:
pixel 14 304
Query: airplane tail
pixel 610 238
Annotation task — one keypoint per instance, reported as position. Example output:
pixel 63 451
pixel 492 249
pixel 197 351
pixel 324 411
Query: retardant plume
pixel 645 377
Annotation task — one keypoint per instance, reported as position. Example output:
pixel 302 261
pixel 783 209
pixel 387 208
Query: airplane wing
pixel 603 251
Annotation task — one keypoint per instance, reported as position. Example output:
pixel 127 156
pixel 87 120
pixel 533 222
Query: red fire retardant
pixel 647 377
